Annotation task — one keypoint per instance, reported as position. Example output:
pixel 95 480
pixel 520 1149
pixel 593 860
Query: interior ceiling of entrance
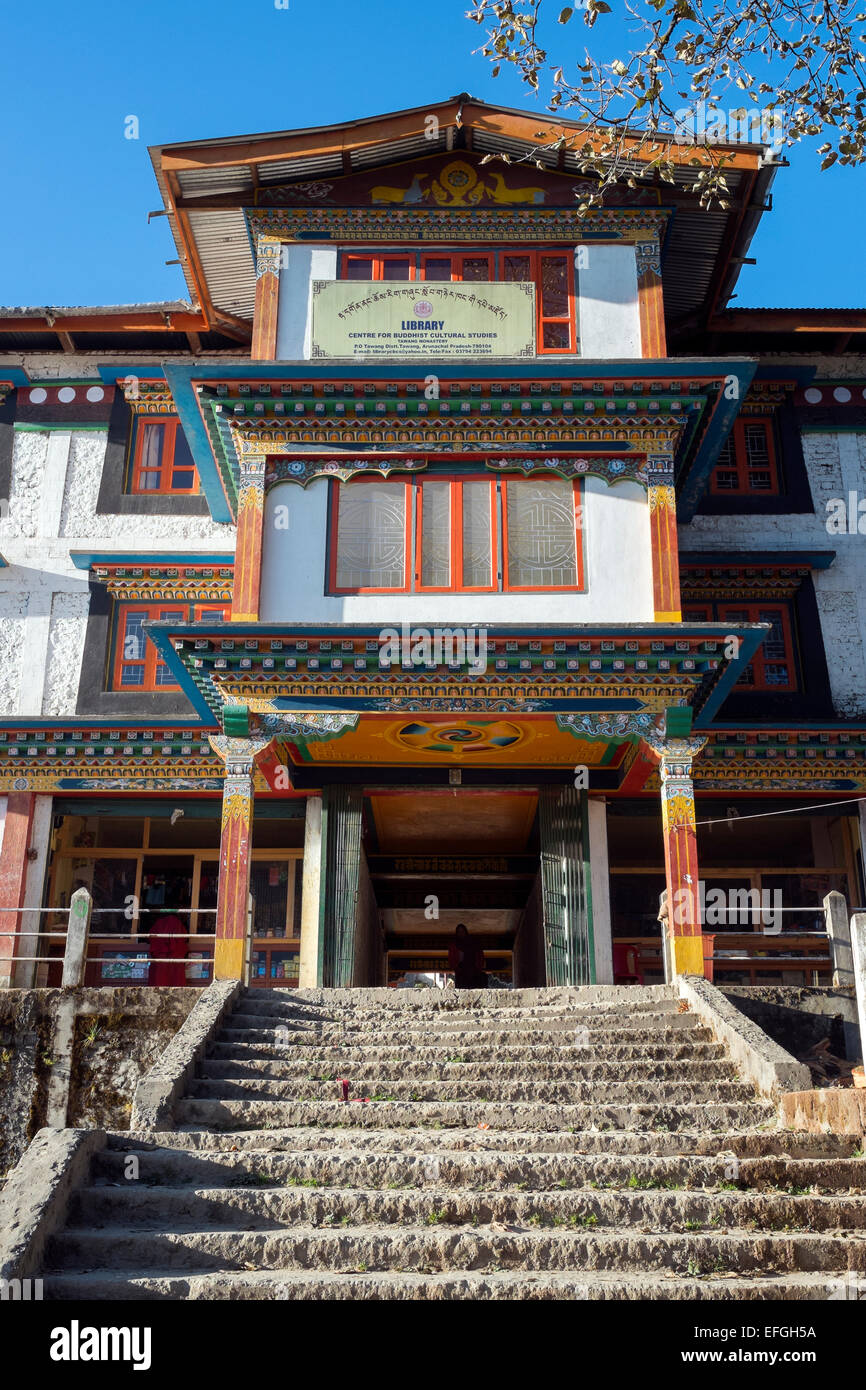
pixel 453 822
pixel 411 921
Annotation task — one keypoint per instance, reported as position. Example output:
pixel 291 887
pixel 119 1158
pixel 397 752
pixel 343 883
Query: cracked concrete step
pixel 476 1020
pixel 541 1171
pixel 633 1035
pixel 459 1286
pixel 255 1005
pixel 389 1000
pixel 680 1092
pixel 599 1053
pixel 258 1114
pixel 260 1207
pixel 368 1072
pixel 442 1247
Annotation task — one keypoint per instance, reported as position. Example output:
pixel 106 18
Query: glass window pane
pixel 358 268
pixel 554 287
pixel 516 268
pixel 371 536
pixel 438 268
pixel 182 479
pixel 396 269
pixel 476 268
pixel 132 675
pixel 541 534
pixel 150 457
pixel 477 535
pixel 556 336
pixel 133 636
pixel 435 534
pixel 269 888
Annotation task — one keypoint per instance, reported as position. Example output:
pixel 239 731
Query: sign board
pixel 419 321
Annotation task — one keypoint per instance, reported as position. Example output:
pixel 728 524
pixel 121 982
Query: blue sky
pixel 77 192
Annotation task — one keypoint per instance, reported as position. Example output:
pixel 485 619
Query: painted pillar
pixel 599 877
pixel 309 971
pixel 264 343
pixel 682 877
pixel 650 299
pixel 13 878
pixel 861 820
pixel 239 757
pixel 663 538
pixel 31 919
pixel 246 592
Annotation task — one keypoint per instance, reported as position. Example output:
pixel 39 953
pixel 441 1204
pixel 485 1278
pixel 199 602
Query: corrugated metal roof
pixel 282 170
pixel 223 246
pixel 167 306
pixel 233 178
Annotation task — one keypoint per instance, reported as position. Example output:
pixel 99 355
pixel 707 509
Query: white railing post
pixel 839 933
pixel 77 937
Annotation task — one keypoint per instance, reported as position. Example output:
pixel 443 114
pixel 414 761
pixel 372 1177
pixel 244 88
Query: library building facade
pixel 452 554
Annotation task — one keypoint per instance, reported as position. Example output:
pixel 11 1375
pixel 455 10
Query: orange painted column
pixel 682 876
pixel 246 592
pixel 661 497
pixel 264 344
pixel 230 947
pixel 13 878
pixel 651 304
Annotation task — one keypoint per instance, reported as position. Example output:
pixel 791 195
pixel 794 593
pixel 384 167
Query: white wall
pixel 608 313
pixel 618 570
pixel 44 599
pixel 301 265
pixel 836 464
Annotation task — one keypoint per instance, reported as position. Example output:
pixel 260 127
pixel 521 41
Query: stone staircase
pixel 541 1144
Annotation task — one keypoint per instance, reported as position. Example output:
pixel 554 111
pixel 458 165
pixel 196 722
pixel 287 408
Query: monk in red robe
pixel 168 938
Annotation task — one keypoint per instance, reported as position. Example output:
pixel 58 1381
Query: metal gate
pixel 341 839
pixel 568 944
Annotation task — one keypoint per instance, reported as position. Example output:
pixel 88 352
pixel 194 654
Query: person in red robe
pixel 466 959
pixel 168 938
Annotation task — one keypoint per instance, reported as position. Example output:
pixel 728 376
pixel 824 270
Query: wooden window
pixel 552 273
pixel 772 666
pixel 455 534
pixel 747 461
pixel 162 461
pixel 540 543
pixel 367 266
pixel 137 665
pixel 455 525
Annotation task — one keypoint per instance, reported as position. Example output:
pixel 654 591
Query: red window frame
pixel 510 588
pixel 751 613
pixel 737 463
pixel 378 260
pixel 151 661
pixel 413 507
pixel 334 530
pixel 418 265
pixel 456 521
pixel 171 425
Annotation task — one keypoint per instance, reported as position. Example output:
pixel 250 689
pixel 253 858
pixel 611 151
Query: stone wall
pixel 115 1036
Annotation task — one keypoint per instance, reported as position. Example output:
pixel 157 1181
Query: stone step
pixel 261 1206
pixel 258 1114
pixel 449 1010
pixel 680 1027
pixel 441 1247
pixel 527 1168
pixel 446 1021
pixel 517 1053
pixel 457 1286
pixel 768 1142
pixel 681 1092
pixel 372 1074
pixel 376 999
